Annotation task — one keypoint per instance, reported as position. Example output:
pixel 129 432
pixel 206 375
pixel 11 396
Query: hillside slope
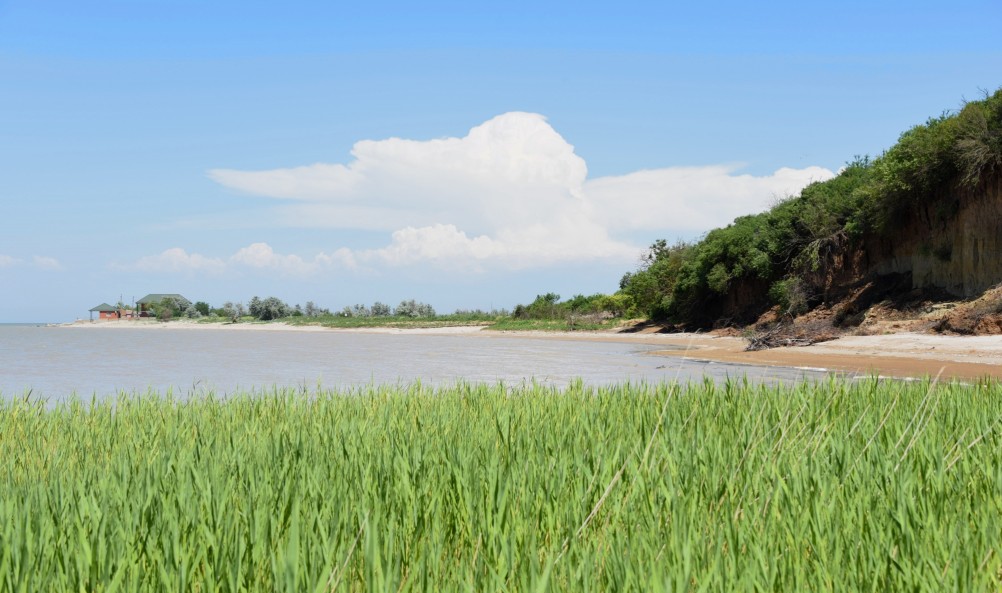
pixel 921 223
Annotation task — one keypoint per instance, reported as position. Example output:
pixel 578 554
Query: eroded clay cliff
pixel 955 245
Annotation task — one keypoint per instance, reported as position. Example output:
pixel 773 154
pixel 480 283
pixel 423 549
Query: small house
pixel 104 312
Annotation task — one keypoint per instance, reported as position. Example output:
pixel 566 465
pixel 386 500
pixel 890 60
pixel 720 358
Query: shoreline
pixel 900 355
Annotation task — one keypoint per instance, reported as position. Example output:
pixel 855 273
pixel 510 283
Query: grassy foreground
pixel 827 487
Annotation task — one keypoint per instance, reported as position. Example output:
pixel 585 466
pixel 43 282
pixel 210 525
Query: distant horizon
pixel 461 155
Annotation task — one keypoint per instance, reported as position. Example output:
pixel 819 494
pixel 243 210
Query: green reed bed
pixel 835 486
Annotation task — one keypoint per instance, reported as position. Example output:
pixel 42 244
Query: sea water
pixel 57 362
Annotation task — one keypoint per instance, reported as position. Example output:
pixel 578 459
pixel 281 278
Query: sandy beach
pixel 890 355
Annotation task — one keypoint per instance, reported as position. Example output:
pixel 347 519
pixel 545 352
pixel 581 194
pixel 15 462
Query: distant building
pixel 105 311
pixel 145 304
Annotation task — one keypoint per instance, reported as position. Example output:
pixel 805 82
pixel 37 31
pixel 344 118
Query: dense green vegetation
pixel 274 309
pixel 398 321
pixel 549 306
pixel 560 320
pixel 781 256
pixel 836 486
pixel 546 313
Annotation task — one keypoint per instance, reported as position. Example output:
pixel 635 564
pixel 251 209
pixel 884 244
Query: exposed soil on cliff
pixel 879 307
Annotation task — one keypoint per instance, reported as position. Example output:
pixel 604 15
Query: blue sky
pixel 470 155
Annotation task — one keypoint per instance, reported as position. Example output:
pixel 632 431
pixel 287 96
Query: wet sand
pixel 890 355
pixel 893 355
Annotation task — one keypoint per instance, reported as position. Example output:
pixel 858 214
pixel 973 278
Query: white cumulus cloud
pixel 176 259
pixel 262 256
pixel 256 256
pixel 439 242
pixel 692 198
pixel 512 191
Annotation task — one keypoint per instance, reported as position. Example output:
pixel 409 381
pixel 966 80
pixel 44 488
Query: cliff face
pixel 956 247
pixel 918 224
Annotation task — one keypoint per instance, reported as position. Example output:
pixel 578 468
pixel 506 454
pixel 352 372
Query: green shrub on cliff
pixel 979 145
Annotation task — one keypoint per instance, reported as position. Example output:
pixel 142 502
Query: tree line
pixel 271 308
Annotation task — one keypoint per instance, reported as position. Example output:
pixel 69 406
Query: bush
pixel 170 307
pixel 791 295
pixel 648 287
pixel 544 307
pixel 549 307
pixel 618 304
pixel 979 142
pixel 413 308
pixel 356 311
pixel 268 309
pixel 233 311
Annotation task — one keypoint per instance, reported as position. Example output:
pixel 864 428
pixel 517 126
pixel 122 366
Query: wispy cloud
pixel 511 192
pixel 46 263
pixel 7 261
pixel 40 262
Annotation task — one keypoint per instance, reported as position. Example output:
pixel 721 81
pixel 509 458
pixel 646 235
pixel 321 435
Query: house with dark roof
pixel 105 311
pixel 146 304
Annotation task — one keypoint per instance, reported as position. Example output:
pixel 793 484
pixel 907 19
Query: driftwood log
pixel 777 338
